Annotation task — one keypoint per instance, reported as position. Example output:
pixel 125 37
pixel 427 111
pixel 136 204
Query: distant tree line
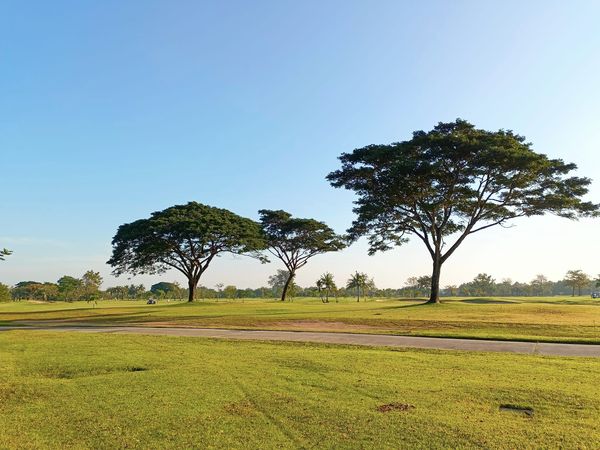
pixel 575 282
pixel 359 285
pixel 67 288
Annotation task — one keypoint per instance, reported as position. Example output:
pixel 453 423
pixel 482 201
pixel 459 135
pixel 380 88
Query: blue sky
pixel 111 110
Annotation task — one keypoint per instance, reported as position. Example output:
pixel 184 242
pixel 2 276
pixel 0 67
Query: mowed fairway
pixel 551 319
pixel 71 390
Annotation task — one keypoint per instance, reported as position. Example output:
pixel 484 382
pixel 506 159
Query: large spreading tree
pixel 455 180
pixel 185 238
pixel 294 241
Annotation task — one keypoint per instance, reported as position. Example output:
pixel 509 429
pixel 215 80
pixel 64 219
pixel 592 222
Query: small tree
pixel 424 284
pixel 135 291
pixel 506 287
pixel 483 284
pixel 4 293
pixel 451 289
pixel 230 291
pixel 117 292
pixel 220 287
pixel 454 180
pixel 184 237
pixel 326 287
pixel 540 285
pixel 91 282
pixel 166 289
pixel 278 281
pixel 576 279
pixel 370 288
pixel 358 282
pixel 294 241
pixel 70 288
pixel 411 286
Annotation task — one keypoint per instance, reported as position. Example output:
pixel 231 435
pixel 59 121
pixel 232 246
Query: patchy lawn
pixel 544 319
pixel 72 390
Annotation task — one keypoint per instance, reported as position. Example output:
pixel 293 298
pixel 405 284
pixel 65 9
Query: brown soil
pixel 316 325
pixel 296 325
pixel 394 407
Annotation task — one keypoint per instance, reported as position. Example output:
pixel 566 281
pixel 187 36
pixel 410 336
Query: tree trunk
pixel 286 286
pixel 434 296
pixel 191 290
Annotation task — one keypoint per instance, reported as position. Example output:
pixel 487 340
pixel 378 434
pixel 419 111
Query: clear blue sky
pixel 110 110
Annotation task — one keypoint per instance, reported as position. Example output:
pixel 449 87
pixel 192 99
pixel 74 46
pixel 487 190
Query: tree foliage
pixel 454 180
pixel 70 288
pixel 326 287
pixel 577 279
pixel 185 238
pixel 34 290
pixel 91 282
pixel 277 283
pixel 5 294
pixel 165 289
pixel 230 291
pixel 4 253
pixel 360 282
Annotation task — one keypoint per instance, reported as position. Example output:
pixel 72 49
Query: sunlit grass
pixel 71 390
pixel 558 319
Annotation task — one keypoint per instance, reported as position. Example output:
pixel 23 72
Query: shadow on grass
pixel 487 301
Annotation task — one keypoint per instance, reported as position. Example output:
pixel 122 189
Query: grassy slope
pixel 67 390
pixel 555 319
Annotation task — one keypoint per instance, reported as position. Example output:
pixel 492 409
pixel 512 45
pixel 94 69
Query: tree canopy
pixel 294 241
pixel 326 287
pixel 69 288
pixel 454 180
pixel 4 253
pixel 166 289
pixel 577 279
pixel 360 282
pixel 185 238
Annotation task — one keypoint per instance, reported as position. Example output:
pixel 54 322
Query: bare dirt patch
pixel 294 325
pixel 241 408
pixel 317 325
pixel 394 407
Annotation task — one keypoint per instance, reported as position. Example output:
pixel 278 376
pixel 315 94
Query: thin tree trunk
pixel 191 290
pixel 286 286
pixel 434 296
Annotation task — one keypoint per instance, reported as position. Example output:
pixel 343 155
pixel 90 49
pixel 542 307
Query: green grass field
pixel 552 319
pixel 71 390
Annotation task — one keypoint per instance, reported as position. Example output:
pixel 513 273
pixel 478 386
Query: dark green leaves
pixel 4 253
pixel 295 240
pixel 183 237
pixel 454 179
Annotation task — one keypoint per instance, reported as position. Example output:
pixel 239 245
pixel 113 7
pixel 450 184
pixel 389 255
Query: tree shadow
pixel 487 301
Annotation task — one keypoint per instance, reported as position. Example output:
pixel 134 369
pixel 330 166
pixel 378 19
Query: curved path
pixel 374 340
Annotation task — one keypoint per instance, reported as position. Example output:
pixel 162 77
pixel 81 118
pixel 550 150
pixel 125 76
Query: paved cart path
pixel 374 340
